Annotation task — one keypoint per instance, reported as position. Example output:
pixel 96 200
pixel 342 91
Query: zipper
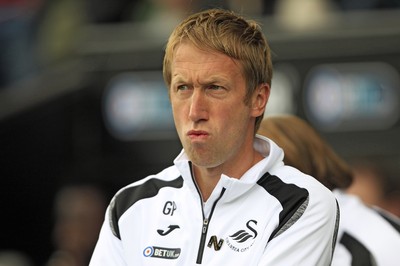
pixel 204 228
pixel 206 221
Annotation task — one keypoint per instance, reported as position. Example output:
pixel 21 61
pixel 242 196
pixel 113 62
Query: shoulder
pixel 314 201
pixel 293 178
pixel 301 197
pixel 357 238
pixel 357 217
pixel 148 187
pixel 389 217
pixel 167 177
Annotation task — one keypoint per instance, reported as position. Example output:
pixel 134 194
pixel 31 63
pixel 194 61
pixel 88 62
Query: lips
pixel 197 134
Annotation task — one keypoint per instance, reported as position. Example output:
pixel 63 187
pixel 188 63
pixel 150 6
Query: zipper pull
pixel 205 223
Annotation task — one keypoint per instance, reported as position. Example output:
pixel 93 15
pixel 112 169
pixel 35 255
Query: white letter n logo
pixel 214 241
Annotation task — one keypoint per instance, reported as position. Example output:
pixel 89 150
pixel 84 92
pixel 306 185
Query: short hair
pixel 225 32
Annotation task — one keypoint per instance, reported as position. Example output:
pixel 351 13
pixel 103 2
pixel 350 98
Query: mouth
pixel 197 134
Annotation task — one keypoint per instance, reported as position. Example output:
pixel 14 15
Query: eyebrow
pixel 209 80
pixel 178 79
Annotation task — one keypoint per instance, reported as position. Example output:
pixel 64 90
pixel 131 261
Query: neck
pixel 208 177
pixel 206 180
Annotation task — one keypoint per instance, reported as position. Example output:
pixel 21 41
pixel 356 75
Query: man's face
pixel 207 94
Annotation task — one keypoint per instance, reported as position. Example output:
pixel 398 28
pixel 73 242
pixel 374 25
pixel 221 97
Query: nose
pixel 198 106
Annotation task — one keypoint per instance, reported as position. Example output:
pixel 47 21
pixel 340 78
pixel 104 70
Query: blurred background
pixel 84 110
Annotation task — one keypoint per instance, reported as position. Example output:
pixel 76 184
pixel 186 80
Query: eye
pixel 215 87
pixel 182 87
pixel 216 91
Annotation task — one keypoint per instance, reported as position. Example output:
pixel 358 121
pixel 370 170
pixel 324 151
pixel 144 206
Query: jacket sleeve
pixel 109 249
pixel 311 239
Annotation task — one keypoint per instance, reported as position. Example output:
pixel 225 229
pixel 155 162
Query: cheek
pixel 177 110
pixel 179 113
pixel 235 112
pixel 232 121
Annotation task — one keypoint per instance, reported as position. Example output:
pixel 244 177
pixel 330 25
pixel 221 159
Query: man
pixel 228 199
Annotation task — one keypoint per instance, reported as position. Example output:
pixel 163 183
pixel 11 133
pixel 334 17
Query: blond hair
pixel 225 32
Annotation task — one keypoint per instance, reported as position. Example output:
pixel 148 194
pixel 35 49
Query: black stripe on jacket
pixel 129 196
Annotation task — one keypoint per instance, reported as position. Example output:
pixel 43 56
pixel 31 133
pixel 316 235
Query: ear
pixel 260 99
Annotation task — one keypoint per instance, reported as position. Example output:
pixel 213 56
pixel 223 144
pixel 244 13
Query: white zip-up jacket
pixel 273 215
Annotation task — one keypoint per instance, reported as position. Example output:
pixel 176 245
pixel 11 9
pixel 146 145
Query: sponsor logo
pixel 214 241
pixel 162 253
pixel 242 240
pixel 170 229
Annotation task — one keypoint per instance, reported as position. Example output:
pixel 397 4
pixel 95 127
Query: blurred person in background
pixel 365 237
pixel 227 199
pixel 377 183
pixel 79 213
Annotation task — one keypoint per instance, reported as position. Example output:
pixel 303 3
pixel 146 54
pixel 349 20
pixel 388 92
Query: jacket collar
pixel 235 187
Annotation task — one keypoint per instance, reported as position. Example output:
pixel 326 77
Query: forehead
pixel 191 58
